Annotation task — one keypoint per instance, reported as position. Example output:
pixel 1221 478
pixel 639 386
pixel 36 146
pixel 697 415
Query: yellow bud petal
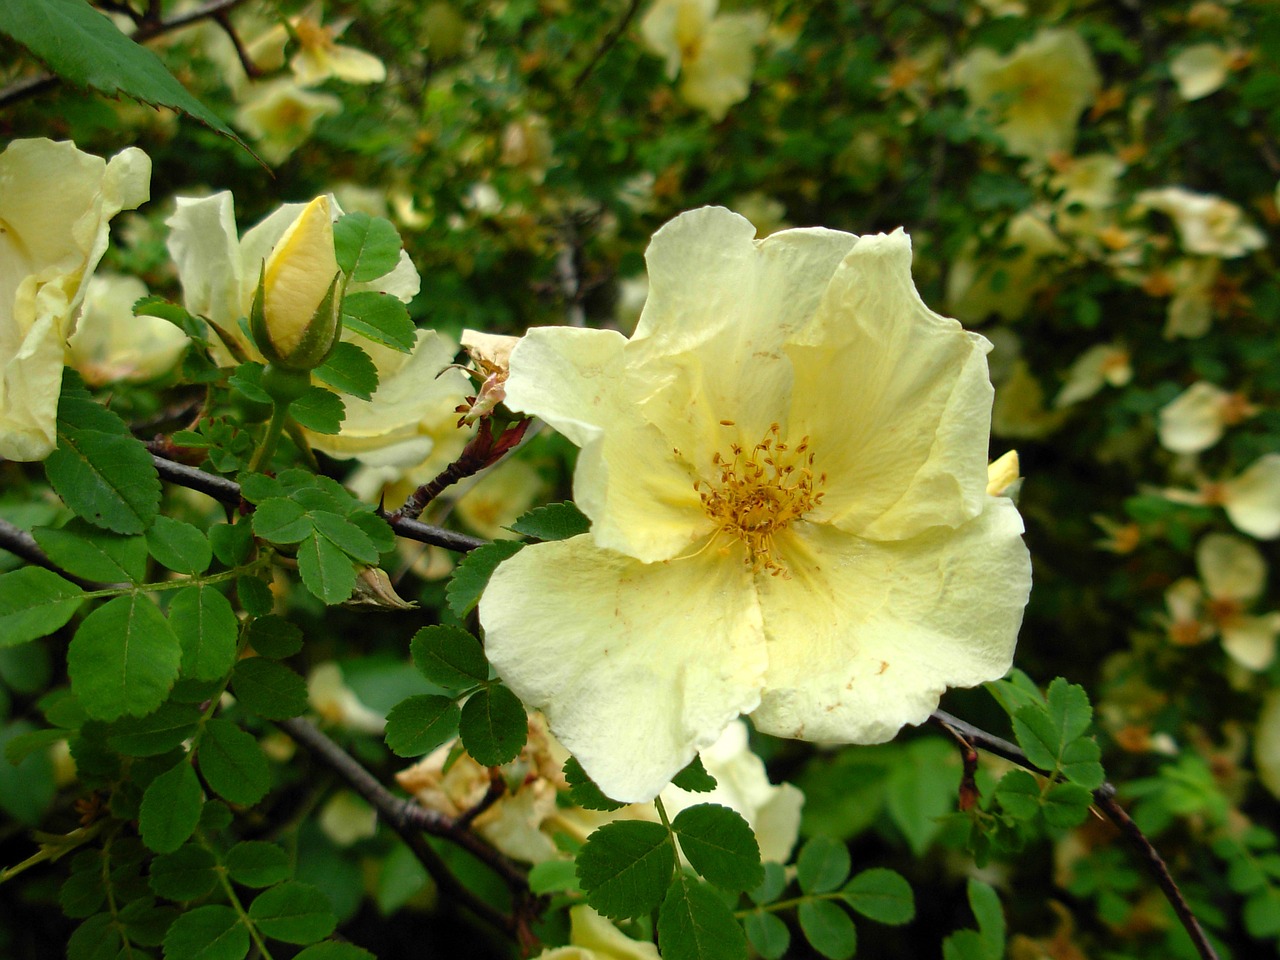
pixel 298 274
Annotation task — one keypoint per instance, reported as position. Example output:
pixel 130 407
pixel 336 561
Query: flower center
pixel 759 492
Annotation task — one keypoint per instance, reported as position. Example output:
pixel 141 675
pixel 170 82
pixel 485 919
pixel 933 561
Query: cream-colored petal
pixel 1252 500
pixel 1192 421
pixel 298 275
pixel 1266 743
pixel 1231 567
pixel 402 282
pixel 637 666
pixel 205 247
pixel 865 636
pixel 1199 70
pixel 592 932
pixel 1251 641
pixel 355 66
pixel 895 400
pixel 111 344
pixel 720 75
pixel 1099 365
pixel 29 388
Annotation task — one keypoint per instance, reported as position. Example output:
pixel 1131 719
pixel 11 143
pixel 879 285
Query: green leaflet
pixel 123 659
pixel 33 603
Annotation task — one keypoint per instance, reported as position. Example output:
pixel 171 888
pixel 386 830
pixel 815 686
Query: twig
pixel 228 491
pixel 481 451
pixel 611 38
pixel 22 544
pixel 404 817
pixel 1104 798
pixel 497 787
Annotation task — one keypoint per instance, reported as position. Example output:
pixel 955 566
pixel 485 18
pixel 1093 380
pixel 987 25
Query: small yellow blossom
pixel 336 703
pixel 1003 477
pixel 1201 69
pixel 1004 283
pixel 1099 366
pixel 1266 743
pixel 785 470
pixel 713 54
pixel 1193 304
pixel 56 203
pixel 346 819
pixel 279 116
pixel 1037 92
pixel 111 344
pixel 1195 419
pixel 1251 499
pixel 320 56
pixel 1207 224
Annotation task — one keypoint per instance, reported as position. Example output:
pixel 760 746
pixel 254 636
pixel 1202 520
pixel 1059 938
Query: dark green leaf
pixel 95 939
pixel 1066 805
pixel 186 874
pixel 232 543
pixel 349 370
pixel 720 845
pixel 27 789
pixel 23 745
pixel 294 912
pixel 493 725
pixel 694 778
pixel 179 546
pixel 232 763
pixel 275 637
pixel 207 630
pixel 695 924
pixel 258 487
pixel 583 791
pixel 320 410
pixel 211 932
pixel 84 48
pixel 256 863
pixel 367 247
pixel 346 535
pixel 123 659
pixel 333 950
pixel 145 922
pixel 381 318
pixel 269 689
pixel 449 657
pixel 153 306
pixel 281 520
pixel 625 868
pixel 375 528
pixel 418 725
pixel 554 876
pixel 882 895
pixel 93 553
pixel 555 521
pixel 33 603
pixel 471 576
pixel 767 934
pixel 170 808
pixel 156 733
pixel 1019 794
pixel 771 887
pixel 823 865
pixel 325 568
pixel 83 893
pixel 828 929
pixel 99 469
pixel 255 596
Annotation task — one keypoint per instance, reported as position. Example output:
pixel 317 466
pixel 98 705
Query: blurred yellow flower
pixel 1099 366
pixel 110 343
pixel 498 498
pixel 55 206
pixel 785 469
pixel 1004 282
pixel 336 703
pixel 592 937
pixel 1251 499
pixel 320 56
pixel 1195 419
pixel 1036 92
pixel 1201 69
pixel 1192 306
pixel 1206 224
pixel 713 54
pixel 279 116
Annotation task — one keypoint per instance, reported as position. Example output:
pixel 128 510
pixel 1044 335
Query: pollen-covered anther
pixel 759 492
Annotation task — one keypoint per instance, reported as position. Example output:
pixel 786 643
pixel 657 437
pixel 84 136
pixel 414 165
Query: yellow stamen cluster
pixel 759 492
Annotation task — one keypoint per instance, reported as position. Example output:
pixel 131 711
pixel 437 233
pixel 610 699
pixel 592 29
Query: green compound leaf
pixel 256 863
pixel 987 942
pixel 771 887
pixel 349 370
pixel 211 932
pixel 418 725
pixel 823 865
pixel 554 876
pixel 381 318
pixel 471 576
pixel 720 845
pixel 881 895
pixel 1080 763
pixel 449 657
pixel 258 487
pixel 84 48
pixel 333 950
pixel 207 630
pixel 34 603
pixel 694 778
pixel 99 469
pixel 828 929
pixel 123 659
pixel 255 596
pixel 695 924
pixel 320 410
pixel 493 725
pixel 232 543
pixel 156 733
pixel 1066 804
pixel 269 689
pixel 1018 793
pixel 145 922
pixel 583 791
pixel 187 873
pixel 555 521
pixel 281 520
pixel 346 535
pixel 768 934
pixel 374 527
pixel 326 569
pixel 625 868
pixel 367 247
pixel 97 938
pixel 170 808
pixel 275 637
pixel 294 912
pixel 233 764
pixel 179 546
pixel 93 553
pixel 1045 731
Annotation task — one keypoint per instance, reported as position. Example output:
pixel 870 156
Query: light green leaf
pixel 349 370
pixel 768 934
pixel 493 725
pixel 771 887
pixel 921 789
pixel 84 48
pixel 320 410
pixel 367 247
pixel 695 924
pixel 471 576
pixel 294 912
pixel 555 521
pixel 352 540
pixel 1066 804
pixel 418 725
pixel 207 630
pixel 1018 793
pixel 34 603
pixel 170 808
pixel 179 546
pixel 449 657
pixel 281 520
pixel 554 876
pixel 823 864
pixel 625 868
pixel 720 845
pixel 828 929
pixel 326 569
pixel 123 659
pixel 381 318
pixel 882 895
pixel 232 763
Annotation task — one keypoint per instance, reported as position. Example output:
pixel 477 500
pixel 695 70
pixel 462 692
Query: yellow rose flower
pixel 592 937
pixel 55 206
pixel 1206 224
pixel 111 344
pixel 299 315
pixel 785 469
pixel 1037 92
pixel 1196 418
pixel 279 116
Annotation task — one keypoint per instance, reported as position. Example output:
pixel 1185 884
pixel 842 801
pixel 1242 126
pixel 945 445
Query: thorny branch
pixel 1104 798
